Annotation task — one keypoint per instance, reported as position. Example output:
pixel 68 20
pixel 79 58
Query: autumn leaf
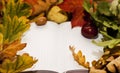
pixel 1 41
pixel 13 28
pixel 17 65
pixel 14 20
pixel 78 17
pixel 10 50
pixel 14 23
pixel 16 8
pixel 76 8
pixel 70 5
pixel 79 57
pixel 31 2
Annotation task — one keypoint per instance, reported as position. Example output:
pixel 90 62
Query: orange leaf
pixel 11 50
pixel 78 17
pixel 31 2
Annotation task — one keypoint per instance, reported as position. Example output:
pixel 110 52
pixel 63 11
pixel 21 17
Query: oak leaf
pixel 79 57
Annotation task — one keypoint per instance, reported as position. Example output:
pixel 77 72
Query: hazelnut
pixel 41 21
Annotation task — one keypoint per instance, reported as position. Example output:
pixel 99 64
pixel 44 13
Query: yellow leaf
pixel 79 58
pixel 17 65
pixel 1 41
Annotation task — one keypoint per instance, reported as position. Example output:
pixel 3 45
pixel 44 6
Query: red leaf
pixel 70 5
pixel 78 19
pixel 77 10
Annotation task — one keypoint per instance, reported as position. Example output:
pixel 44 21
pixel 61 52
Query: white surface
pixel 50 45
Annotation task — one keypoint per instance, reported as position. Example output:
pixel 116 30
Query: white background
pixel 50 45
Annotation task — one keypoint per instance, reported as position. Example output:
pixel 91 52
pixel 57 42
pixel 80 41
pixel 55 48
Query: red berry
pixel 89 30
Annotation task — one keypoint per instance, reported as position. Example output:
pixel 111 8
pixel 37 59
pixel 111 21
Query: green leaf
pixel 17 65
pixel 110 24
pixel 109 43
pixel 15 21
pixel 113 7
pixel 104 33
pixel 87 6
pixel 103 8
pixel 13 28
pixel 16 8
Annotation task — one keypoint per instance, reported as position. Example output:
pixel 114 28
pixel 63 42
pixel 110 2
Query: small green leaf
pixel 87 6
pixel 109 43
pixel 103 8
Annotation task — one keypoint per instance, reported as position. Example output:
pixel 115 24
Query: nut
pixel 41 21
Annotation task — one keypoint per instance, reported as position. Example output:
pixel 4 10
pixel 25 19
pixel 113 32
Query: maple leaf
pixel 76 8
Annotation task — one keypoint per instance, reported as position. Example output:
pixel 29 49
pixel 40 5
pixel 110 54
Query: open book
pixel 48 71
pixel 50 45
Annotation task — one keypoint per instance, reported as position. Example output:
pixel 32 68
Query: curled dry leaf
pixel 79 57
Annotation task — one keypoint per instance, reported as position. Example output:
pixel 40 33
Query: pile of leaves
pixel 106 16
pixel 15 16
pixel 14 22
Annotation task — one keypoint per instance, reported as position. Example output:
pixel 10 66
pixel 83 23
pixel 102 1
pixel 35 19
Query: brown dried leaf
pixel 79 57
